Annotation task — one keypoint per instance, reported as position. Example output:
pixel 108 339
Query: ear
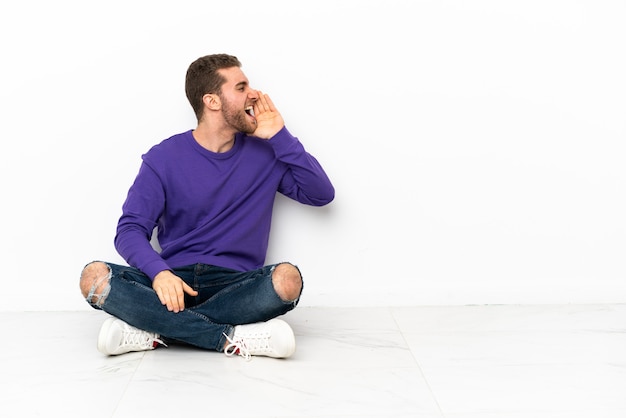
pixel 212 101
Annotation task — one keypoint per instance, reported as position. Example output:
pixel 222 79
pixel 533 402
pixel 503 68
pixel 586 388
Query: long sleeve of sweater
pixel 305 179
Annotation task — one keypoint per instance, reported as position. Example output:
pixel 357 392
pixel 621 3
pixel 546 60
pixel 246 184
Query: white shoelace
pixel 237 346
pixel 248 345
pixel 140 339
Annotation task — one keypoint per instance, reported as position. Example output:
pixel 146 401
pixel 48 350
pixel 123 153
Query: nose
pixel 253 95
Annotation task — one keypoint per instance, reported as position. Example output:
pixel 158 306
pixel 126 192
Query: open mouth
pixel 250 111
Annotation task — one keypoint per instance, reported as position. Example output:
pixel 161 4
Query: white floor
pixel 453 362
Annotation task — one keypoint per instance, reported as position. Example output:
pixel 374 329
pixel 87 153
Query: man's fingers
pixel 261 103
pixel 189 290
pixel 170 299
pixel 268 103
pixel 179 300
pixel 172 302
pixel 159 293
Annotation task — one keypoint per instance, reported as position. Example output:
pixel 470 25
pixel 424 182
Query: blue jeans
pixel 225 298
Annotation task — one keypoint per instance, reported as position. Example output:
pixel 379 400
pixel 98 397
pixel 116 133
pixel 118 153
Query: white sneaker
pixel 273 338
pixel 117 337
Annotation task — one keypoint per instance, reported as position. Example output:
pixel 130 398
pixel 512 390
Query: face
pixel 237 99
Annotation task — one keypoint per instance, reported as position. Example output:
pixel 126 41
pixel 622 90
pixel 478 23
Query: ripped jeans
pixel 225 298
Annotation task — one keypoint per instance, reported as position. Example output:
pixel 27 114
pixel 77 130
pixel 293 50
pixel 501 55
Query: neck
pixel 214 140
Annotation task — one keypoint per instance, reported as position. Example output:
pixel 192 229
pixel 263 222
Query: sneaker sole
pixel 104 336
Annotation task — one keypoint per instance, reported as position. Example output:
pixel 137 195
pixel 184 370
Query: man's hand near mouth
pixel 268 120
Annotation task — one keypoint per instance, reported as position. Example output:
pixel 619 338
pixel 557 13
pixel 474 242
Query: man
pixel 210 194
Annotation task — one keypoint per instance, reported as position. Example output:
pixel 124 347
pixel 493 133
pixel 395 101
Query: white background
pixel 477 147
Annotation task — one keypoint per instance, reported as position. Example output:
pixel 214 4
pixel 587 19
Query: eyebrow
pixel 241 84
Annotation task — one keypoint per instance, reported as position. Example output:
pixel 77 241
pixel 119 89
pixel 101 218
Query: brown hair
pixel 202 78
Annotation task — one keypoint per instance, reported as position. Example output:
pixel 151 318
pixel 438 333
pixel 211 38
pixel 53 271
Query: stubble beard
pixel 237 118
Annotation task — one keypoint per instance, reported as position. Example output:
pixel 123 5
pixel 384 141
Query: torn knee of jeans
pixel 100 286
pixel 287 281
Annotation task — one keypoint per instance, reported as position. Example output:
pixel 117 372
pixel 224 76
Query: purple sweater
pixel 214 208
